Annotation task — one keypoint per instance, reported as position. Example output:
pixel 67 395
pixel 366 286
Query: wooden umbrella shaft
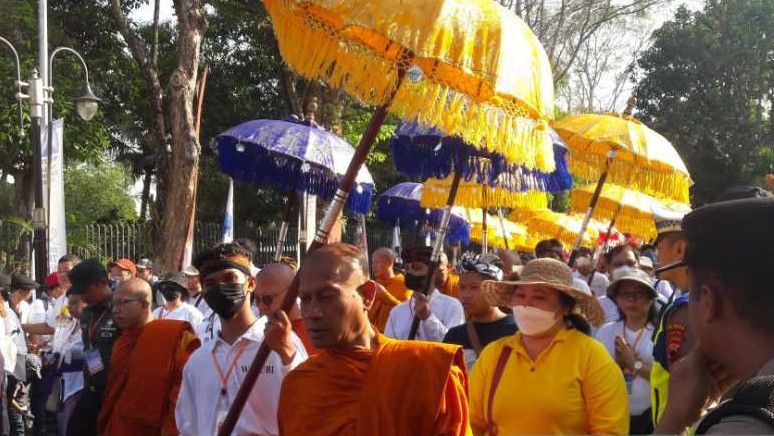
pixel 592 206
pixel 283 231
pixel 502 225
pixel 321 238
pixel 435 259
pixel 484 229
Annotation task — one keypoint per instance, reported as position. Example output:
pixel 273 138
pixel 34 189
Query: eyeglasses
pixel 631 263
pixel 118 302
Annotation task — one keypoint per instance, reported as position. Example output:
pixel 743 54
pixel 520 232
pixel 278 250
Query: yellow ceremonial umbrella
pixel 631 211
pixel 631 154
pixel 508 236
pixel 473 69
pixel 546 224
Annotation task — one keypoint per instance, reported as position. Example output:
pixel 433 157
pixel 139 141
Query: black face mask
pixel 225 299
pixel 414 282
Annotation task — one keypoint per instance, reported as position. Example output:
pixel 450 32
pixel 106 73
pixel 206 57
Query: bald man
pixel 447 281
pixel 271 285
pixel 383 264
pixel 363 382
pixel 146 365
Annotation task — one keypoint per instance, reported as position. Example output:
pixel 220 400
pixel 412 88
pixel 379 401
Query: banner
pixel 53 191
pixel 228 217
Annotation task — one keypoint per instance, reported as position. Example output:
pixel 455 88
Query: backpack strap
pixel 473 336
pixel 754 397
pixel 498 373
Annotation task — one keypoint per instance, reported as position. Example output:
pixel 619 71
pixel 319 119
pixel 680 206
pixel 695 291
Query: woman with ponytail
pixel 551 376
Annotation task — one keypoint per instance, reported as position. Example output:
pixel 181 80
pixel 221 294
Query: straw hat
pixel 550 273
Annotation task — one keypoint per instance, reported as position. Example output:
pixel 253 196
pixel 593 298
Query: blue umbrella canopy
pixel 425 152
pixel 400 205
pixel 292 156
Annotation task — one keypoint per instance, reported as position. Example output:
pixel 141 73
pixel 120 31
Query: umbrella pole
pixel 321 238
pixel 610 228
pixel 502 225
pixel 484 229
pixel 283 231
pixel 437 247
pixel 592 205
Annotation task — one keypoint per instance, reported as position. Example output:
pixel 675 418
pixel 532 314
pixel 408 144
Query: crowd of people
pixel 658 338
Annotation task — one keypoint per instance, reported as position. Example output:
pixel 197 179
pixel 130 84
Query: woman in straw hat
pixel 629 340
pixel 551 376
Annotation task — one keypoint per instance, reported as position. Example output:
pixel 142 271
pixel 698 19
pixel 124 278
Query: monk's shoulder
pixel 410 352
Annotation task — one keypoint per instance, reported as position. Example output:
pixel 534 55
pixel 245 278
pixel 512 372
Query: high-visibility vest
pixel 659 372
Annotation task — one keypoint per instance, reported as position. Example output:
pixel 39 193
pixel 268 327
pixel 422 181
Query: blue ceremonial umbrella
pixel 424 152
pixel 399 205
pixel 293 156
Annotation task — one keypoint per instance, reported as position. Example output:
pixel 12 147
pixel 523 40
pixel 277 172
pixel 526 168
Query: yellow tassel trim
pixel 317 44
pixel 435 193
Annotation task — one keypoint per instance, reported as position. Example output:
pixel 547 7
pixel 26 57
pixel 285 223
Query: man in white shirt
pixel 194 287
pixel 584 270
pixel 437 313
pixel 176 307
pixel 215 371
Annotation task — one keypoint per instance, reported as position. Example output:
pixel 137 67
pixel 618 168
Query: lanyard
pixel 224 377
pixel 636 341
pixel 94 327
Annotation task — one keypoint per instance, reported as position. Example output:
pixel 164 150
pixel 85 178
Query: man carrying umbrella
pixel 437 312
pixel 343 391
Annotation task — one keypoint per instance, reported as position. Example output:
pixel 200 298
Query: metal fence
pixel 136 240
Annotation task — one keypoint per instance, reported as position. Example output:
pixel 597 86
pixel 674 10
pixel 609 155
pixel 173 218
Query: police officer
pixel 90 280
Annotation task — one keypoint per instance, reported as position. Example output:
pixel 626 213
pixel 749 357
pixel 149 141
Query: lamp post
pixel 40 98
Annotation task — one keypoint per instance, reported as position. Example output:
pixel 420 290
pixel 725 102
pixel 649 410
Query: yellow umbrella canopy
pixel 645 161
pixel 547 224
pixel 474 69
pixel 632 210
pixel 515 234
pixel 470 194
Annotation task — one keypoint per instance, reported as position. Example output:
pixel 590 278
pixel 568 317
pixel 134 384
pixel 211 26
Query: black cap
pixel 174 278
pixel 5 281
pixel 20 281
pixel 84 274
pixel 733 234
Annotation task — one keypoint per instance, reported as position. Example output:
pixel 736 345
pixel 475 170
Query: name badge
pixel 94 362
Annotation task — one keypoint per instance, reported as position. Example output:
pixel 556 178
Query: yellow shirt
pixel 574 387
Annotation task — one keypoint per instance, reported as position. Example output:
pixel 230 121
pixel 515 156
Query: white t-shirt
pixel 201 405
pixel 209 328
pixel 185 312
pixel 71 353
pixel 639 397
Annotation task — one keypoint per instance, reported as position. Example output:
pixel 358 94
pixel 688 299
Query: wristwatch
pixel 638 365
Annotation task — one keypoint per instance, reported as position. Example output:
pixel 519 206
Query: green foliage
pixel 97 193
pixel 708 86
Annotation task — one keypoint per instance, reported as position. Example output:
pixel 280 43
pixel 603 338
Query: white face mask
pixel 533 321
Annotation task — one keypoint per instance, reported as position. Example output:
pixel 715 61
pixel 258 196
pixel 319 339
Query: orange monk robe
pixel 144 380
pixel 398 388
pixel 380 309
pixel 452 285
pixel 396 286
pixel 300 330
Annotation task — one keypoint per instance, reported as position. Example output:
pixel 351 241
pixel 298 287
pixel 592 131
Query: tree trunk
pixel 145 199
pixel 183 162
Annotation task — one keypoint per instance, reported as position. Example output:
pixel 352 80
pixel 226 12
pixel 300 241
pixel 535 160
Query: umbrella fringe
pixel 435 192
pixel 668 183
pixel 258 166
pixel 519 132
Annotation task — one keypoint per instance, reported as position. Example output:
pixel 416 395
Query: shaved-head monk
pixel 271 285
pixel 363 383
pixel 383 264
pixel 146 366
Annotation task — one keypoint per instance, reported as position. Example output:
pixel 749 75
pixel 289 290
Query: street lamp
pixel 40 95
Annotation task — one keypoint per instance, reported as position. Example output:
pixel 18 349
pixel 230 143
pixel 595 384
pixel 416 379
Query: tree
pixel 97 194
pixel 565 26
pixel 173 121
pixel 708 86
